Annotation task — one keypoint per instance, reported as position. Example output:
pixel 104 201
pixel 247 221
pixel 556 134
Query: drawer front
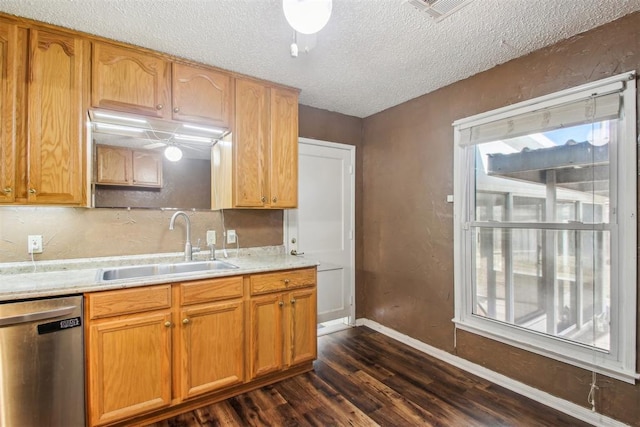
pixel 210 290
pixel 126 301
pixel 282 280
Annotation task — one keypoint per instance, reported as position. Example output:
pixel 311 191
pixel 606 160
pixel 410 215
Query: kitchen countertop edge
pixel 79 281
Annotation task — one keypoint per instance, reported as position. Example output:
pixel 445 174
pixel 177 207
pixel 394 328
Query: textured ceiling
pixel 372 55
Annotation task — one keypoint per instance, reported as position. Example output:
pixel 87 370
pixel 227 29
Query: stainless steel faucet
pixel 188 249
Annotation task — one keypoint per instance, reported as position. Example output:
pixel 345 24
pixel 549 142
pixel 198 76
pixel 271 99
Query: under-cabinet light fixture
pixel 117 117
pixel 108 126
pixel 205 129
pixel 191 138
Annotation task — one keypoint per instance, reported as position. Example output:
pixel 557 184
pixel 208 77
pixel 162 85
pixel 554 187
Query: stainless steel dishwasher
pixel 42 363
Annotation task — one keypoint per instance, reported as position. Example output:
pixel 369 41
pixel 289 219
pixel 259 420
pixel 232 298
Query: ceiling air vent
pixel 438 9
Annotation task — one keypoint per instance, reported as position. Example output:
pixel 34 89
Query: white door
pixel 323 226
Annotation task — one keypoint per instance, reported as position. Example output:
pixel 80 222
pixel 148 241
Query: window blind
pixel 585 110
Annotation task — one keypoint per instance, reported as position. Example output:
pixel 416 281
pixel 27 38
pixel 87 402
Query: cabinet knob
pixel 275 199
pixel 293 301
pixel 167 324
pixel 176 110
pixel 32 191
pixel 280 303
pixel 263 199
pixel 185 321
pixel 159 107
pixel 8 190
pixel 286 281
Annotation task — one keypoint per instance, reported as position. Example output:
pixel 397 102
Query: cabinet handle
pixel 293 301
pixel 176 110
pixel 263 199
pixel 167 324
pixel 280 303
pixel 286 281
pixel 8 190
pixel 159 107
pixel 32 191
pixel 185 321
pixel 275 199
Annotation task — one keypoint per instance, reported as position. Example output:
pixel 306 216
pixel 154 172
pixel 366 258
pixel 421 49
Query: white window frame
pixel 620 361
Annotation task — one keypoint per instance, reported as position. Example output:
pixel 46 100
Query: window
pixel 545 225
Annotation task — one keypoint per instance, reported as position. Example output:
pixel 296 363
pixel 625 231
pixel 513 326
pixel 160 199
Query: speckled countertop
pixel 50 278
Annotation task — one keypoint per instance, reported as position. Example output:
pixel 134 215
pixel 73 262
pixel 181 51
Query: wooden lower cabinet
pixel 282 331
pixel 157 350
pixel 211 347
pixel 130 366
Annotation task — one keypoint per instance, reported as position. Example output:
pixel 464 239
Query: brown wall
pixel 408 228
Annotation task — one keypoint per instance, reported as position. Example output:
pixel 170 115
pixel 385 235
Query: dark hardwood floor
pixel 363 378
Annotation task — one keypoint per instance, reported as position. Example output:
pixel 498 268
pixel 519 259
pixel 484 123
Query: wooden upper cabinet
pixel 130 81
pixel 201 95
pixel 56 111
pixel 284 149
pixel 9 65
pixel 265 149
pixel 124 166
pixel 251 144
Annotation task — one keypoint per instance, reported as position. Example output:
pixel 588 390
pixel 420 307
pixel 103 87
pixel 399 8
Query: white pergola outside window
pixel 545 225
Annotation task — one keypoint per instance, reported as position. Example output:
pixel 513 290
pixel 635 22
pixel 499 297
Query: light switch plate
pixel 231 236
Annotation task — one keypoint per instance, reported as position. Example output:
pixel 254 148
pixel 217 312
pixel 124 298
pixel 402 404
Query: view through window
pixel 545 225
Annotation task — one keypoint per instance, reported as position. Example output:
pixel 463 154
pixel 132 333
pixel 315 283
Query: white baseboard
pixel 547 399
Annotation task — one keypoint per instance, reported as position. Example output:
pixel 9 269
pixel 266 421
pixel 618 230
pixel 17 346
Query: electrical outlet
pixel 34 244
pixel 211 237
pixel 231 236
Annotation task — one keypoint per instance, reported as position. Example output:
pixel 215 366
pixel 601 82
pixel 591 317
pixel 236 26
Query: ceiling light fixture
pixel 307 16
pixel 173 153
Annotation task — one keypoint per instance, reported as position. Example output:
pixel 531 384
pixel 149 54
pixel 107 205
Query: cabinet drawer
pixel 210 290
pixel 135 300
pixel 271 282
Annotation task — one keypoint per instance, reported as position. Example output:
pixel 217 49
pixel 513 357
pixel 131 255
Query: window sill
pixel 584 357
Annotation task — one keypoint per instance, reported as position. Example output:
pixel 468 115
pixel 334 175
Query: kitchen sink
pixel 132 272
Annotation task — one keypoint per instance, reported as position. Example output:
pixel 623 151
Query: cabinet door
pixel 56 125
pixel 201 95
pixel 113 165
pixel 265 339
pixel 211 347
pixel 283 170
pixel 129 366
pixel 125 80
pixel 301 339
pixel 147 169
pixel 251 144
pixel 8 97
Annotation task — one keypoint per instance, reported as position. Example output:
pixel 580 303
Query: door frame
pixel 352 214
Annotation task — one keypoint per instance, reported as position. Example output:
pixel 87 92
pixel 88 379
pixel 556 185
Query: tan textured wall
pixel 408 226
pixel 334 127
pixel 79 233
